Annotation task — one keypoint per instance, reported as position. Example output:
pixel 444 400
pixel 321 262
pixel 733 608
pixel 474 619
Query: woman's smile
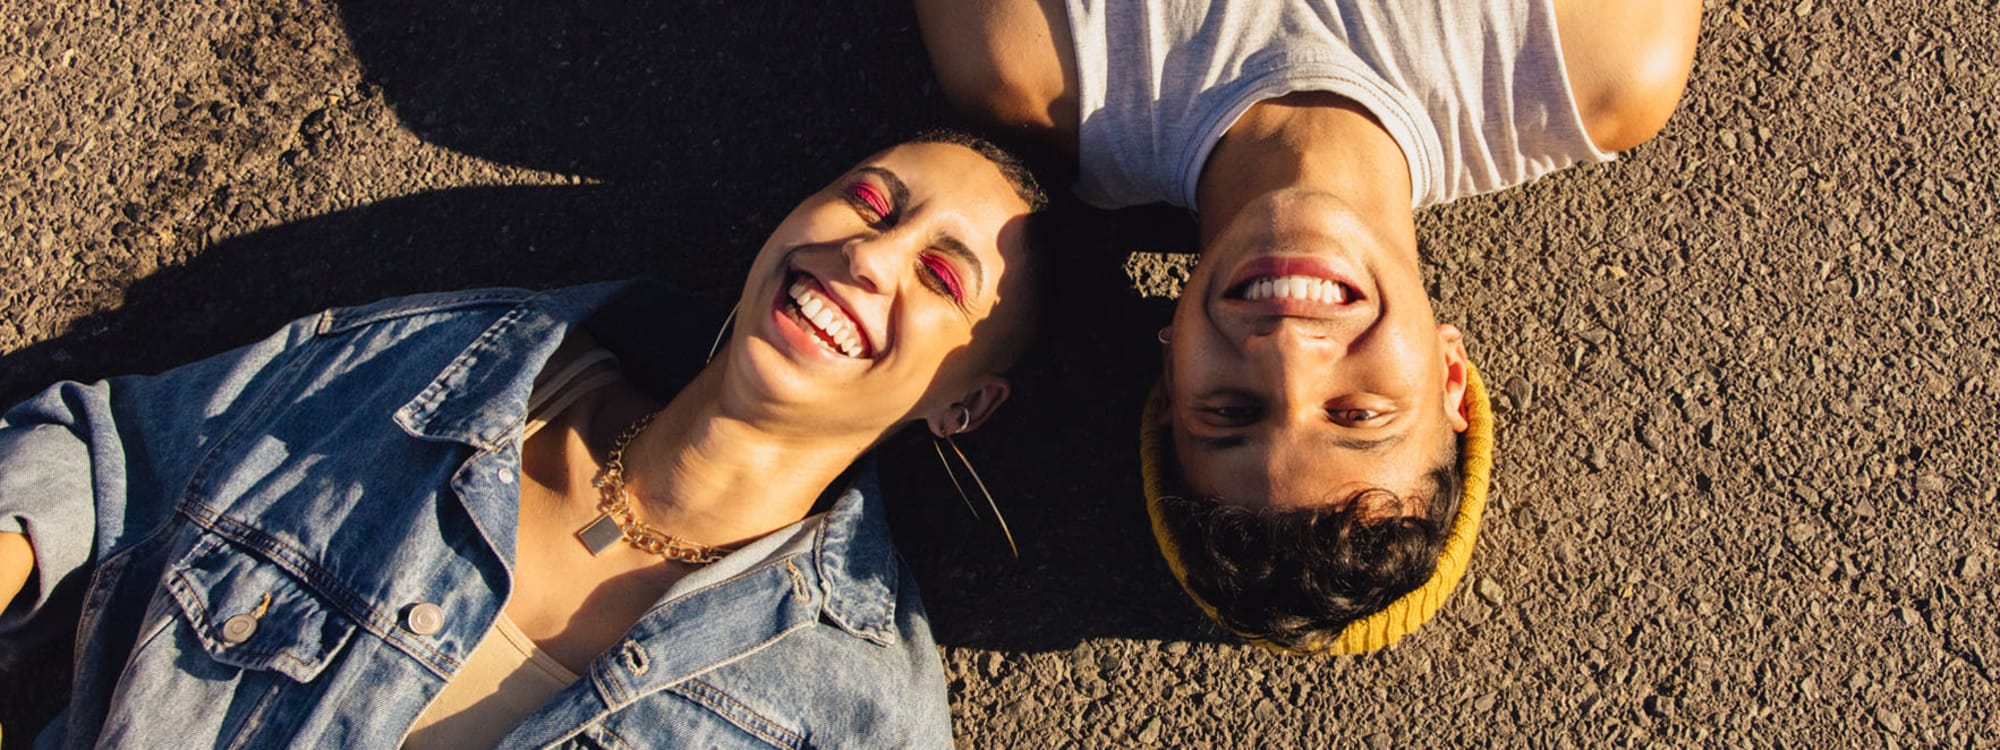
pixel 817 311
pixel 812 320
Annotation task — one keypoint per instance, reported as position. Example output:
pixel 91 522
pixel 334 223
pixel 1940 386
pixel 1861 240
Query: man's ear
pixel 970 410
pixel 1453 343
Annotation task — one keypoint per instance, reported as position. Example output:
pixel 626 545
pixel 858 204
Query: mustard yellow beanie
pixel 1402 616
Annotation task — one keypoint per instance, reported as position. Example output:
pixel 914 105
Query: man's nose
pixel 1296 338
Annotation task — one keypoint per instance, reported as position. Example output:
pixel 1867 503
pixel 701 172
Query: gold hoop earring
pixel 965 422
pixel 719 333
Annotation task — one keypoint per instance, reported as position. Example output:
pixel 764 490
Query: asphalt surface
pixel 1746 480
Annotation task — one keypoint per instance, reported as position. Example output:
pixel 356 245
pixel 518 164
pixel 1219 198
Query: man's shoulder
pixel 1011 63
pixel 1627 64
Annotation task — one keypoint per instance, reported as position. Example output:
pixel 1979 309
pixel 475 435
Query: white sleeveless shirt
pixel 1474 91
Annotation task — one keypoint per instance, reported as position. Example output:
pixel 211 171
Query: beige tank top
pixel 506 677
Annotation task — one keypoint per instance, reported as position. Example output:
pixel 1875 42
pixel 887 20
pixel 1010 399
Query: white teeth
pixel 827 317
pixel 1296 287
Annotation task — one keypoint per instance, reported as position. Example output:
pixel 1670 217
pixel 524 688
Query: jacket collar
pixel 479 398
pixel 856 559
pixel 838 569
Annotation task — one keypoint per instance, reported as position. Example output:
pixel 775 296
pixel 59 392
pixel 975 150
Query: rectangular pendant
pixel 600 534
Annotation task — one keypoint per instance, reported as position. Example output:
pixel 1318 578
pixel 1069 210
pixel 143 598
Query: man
pixel 1315 406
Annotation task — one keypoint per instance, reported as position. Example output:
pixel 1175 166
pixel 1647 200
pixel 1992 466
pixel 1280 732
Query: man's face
pixel 860 310
pixel 1305 364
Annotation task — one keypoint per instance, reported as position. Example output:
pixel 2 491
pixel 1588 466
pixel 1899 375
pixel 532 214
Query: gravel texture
pixel 1747 477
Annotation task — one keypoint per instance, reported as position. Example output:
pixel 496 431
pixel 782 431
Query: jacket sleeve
pixel 88 468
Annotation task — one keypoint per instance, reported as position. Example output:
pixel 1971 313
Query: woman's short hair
pixel 1011 166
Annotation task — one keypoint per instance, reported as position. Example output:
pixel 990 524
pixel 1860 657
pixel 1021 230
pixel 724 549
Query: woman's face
pixel 886 296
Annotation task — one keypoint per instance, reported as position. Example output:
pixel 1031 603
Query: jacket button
pixel 238 629
pixel 424 618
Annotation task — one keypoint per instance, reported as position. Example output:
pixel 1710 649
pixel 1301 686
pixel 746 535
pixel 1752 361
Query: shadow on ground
pixel 698 129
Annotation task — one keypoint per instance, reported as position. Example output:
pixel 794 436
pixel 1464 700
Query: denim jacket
pixel 296 543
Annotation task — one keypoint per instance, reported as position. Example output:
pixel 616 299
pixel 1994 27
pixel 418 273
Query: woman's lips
pixel 818 312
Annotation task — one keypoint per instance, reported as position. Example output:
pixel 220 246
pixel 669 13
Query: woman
pixel 1318 413
pixel 456 520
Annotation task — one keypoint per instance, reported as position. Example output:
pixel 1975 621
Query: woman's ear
pixel 971 410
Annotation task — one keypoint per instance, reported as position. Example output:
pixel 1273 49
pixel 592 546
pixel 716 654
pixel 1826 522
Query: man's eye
pixel 1233 415
pixel 1355 416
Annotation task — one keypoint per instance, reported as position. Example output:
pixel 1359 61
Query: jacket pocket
pixel 252 614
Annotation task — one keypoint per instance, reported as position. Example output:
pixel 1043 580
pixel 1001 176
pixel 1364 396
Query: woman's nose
pixel 873 260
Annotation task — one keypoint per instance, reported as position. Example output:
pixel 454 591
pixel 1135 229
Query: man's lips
pixel 1291 287
pixel 807 302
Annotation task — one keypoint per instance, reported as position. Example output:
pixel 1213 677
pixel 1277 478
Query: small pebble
pixel 1151 734
pixel 1909 617
pixel 1889 719
pixel 1649 436
pixel 1660 706
pixel 1800 533
pixel 1518 389
pixel 1491 592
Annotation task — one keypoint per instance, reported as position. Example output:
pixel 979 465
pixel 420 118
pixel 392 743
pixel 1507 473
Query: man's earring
pixel 1166 335
pixel 719 333
pixel 965 423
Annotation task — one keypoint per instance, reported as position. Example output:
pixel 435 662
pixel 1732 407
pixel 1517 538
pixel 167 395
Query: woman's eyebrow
pixel 899 194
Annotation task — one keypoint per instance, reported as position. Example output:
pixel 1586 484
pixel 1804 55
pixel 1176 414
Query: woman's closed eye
pixel 940 277
pixel 872 202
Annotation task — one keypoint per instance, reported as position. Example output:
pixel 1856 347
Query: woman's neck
pixel 715 478
pixel 1311 140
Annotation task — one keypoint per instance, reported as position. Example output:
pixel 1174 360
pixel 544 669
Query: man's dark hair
pixel 1012 167
pixel 1297 577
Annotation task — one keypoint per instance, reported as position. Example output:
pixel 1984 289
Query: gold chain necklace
pixel 615 520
